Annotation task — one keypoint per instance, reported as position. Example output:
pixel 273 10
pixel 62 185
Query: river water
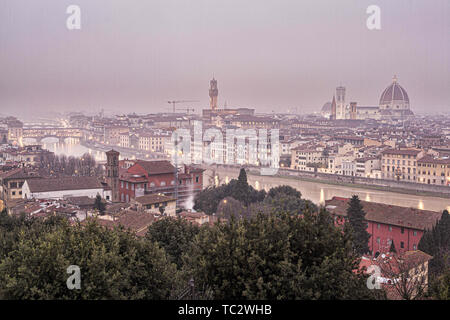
pixel 319 192
pixel 316 192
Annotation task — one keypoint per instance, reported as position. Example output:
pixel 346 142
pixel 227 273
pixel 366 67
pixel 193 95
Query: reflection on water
pixel 319 192
pixel 420 205
pixel 322 197
pixel 70 147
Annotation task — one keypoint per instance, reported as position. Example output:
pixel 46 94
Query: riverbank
pixel 255 172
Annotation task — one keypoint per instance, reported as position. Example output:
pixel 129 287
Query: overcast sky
pixel 134 55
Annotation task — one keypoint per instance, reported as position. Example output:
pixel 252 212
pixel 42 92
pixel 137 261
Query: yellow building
pixel 400 164
pixel 433 170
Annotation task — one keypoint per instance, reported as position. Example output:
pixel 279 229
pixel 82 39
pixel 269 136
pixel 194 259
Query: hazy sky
pixel 134 55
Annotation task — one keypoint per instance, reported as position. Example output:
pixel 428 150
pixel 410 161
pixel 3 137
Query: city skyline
pixel 271 56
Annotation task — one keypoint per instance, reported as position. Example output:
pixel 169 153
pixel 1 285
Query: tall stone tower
pixel 213 93
pixel 112 173
pixel 353 112
pixel 340 107
pixel 333 109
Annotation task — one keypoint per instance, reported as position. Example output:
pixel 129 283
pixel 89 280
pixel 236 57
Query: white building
pixel 60 188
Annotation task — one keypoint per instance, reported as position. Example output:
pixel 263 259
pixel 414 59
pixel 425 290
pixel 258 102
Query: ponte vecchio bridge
pixel 60 133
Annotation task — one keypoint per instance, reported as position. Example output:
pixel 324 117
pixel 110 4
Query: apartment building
pixel 431 170
pixel 400 164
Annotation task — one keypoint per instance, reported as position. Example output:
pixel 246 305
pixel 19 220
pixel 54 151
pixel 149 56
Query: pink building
pixel 387 223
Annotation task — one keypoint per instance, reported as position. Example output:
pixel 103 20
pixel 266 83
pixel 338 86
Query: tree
pixel 392 248
pixel 174 235
pixel 209 199
pixel 241 190
pixel 356 218
pixel 287 199
pixel 114 264
pixel 408 274
pixel 276 256
pixel 436 242
pixel 99 204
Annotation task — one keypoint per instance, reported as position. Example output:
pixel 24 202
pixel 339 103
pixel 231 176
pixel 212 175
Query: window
pixel 403 230
pixel 378 240
pixel 402 244
pixel 196 179
pixel 414 247
pixel 415 233
pixel 378 226
pixel 163 183
pixel 390 228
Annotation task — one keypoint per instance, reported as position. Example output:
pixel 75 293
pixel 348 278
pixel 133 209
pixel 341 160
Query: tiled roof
pixel 156 167
pixel 413 152
pixel 67 183
pixel 129 219
pixel 430 159
pixel 153 198
pixel 388 214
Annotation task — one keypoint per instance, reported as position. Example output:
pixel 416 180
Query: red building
pixel 386 223
pixel 147 177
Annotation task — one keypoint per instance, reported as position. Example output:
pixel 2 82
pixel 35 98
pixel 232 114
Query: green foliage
pixel 288 199
pixel 114 264
pixel 392 248
pixel 99 204
pixel 436 242
pixel 356 217
pixel 277 256
pixel 209 199
pixel 174 235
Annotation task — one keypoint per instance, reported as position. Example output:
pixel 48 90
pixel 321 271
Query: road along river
pixel 318 192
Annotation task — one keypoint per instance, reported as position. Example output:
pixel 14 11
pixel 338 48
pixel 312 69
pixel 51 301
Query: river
pixel 319 192
pixel 314 191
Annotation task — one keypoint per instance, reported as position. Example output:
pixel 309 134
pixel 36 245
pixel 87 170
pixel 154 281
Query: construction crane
pixel 174 102
pixel 187 109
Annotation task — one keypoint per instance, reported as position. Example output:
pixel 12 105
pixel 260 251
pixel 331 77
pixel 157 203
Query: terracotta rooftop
pixel 153 198
pixel 66 183
pixel 388 214
pixel 412 152
pixel 156 167
pixel 130 219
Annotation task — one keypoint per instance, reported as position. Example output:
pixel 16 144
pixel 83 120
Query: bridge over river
pixel 51 132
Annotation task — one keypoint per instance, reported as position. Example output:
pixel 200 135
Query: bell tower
pixel 340 97
pixel 112 173
pixel 213 93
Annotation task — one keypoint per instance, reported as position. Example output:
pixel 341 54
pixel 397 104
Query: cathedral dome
pixel 326 107
pixel 394 97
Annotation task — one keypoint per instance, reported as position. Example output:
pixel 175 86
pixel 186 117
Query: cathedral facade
pixel 393 105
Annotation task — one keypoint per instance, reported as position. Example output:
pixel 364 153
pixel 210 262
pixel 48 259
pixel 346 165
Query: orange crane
pixel 174 102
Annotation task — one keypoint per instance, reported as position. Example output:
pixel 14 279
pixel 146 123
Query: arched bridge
pixel 60 133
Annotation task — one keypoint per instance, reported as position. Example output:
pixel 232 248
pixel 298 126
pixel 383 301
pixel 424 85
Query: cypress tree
pixel 99 205
pixel 356 217
pixel 392 248
pixel 436 242
pixel 241 191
